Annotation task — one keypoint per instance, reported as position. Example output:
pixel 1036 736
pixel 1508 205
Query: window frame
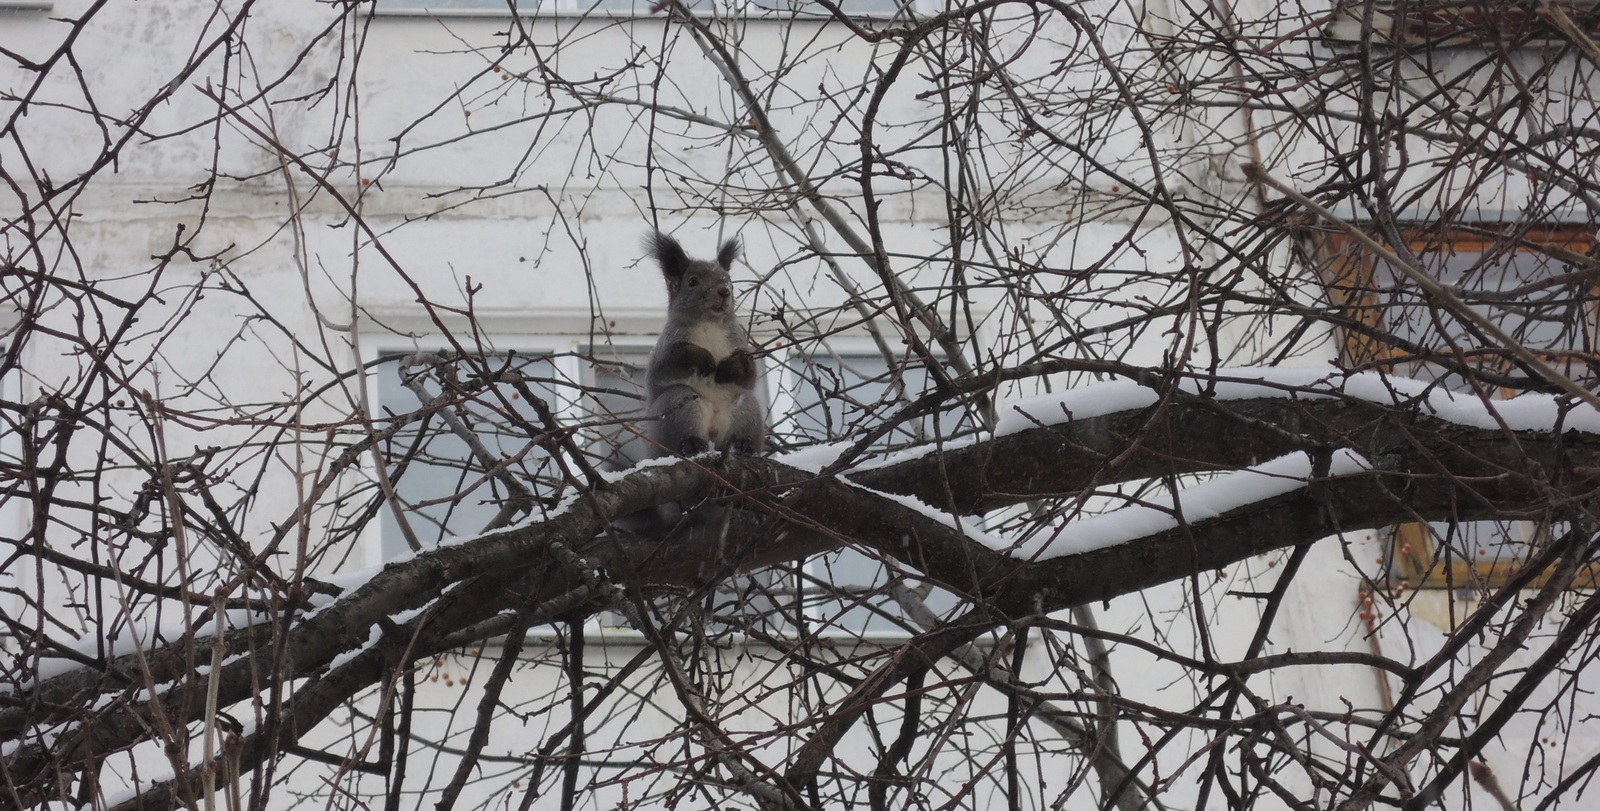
pixel 780 376
pixel 1453 23
pixel 566 349
pixel 1348 276
pixel 13 511
pixel 786 380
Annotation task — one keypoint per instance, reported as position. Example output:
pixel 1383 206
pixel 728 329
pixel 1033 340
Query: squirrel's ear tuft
pixel 669 254
pixel 728 253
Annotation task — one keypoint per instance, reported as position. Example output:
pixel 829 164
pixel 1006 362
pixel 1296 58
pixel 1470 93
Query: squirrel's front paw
pixel 690 359
pixel 742 447
pixel 692 445
pixel 738 369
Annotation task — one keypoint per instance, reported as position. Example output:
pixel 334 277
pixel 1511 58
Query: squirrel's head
pixel 696 287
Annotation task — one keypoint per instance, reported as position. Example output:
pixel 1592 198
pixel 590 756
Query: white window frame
pixel 13 511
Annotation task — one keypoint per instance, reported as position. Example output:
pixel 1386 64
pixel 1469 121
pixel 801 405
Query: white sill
pixel 603 14
pixel 623 636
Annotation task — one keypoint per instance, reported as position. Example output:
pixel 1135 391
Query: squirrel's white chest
pixel 718 400
pixel 712 338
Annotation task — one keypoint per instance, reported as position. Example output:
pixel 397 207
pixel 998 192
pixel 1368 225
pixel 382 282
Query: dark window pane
pixel 854 595
pixel 837 395
pixel 1522 292
pixel 615 395
pixel 442 486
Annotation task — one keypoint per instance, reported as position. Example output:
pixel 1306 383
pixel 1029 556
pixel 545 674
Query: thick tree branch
pixel 1422 468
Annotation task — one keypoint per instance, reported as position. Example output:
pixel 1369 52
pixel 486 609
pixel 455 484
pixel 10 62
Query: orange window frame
pixel 1348 275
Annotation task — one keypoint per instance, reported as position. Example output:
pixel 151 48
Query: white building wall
pixel 551 243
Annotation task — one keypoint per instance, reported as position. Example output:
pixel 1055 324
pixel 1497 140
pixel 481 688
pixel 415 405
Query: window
pixel 827 392
pixel 1446 23
pixel 776 8
pixel 615 402
pixel 857 596
pixel 1528 285
pixel 844 593
pixel 442 483
pixel 447 487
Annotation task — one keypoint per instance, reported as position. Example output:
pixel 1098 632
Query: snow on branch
pixel 1169 511
pixel 1298 457
pixel 1055 445
pixel 1529 412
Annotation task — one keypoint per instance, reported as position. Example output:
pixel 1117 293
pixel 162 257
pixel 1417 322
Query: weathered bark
pixel 1422 468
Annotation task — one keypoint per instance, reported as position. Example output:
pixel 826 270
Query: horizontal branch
pixel 757 512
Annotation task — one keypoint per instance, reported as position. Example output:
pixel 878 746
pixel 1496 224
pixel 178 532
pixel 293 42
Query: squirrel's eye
pixel 694 281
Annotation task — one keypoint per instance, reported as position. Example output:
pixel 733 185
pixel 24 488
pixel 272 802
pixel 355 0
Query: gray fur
pixel 703 376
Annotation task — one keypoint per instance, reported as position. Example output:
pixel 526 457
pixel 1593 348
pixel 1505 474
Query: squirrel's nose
pixel 724 292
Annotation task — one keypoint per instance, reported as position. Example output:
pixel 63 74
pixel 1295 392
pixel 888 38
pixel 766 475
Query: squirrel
pixel 702 377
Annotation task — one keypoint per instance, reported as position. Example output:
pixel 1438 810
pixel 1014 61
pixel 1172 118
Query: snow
pixel 143 634
pixel 570 499
pixel 45 737
pixel 1528 412
pixel 962 525
pixel 813 458
pixel 375 634
pixel 409 614
pixel 148 635
pixel 346 582
pixel 1220 495
pixel 109 798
